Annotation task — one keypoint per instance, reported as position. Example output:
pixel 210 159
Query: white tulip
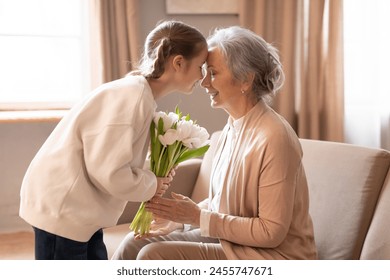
pixel 185 129
pixel 203 137
pixel 168 119
pixel 170 136
pixel 192 135
pixel 157 117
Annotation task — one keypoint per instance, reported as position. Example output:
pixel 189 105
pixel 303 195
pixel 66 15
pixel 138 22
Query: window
pixel 367 59
pixel 43 53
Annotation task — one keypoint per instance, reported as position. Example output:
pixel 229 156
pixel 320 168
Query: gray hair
pixel 246 52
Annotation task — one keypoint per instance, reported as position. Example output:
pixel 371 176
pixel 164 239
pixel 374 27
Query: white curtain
pixel 367 74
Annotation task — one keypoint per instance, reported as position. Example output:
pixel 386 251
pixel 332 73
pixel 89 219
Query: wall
pixel 19 142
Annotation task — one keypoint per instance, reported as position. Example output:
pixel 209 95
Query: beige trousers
pixel 178 245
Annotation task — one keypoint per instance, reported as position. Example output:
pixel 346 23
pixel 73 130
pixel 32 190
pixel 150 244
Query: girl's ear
pixel 177 62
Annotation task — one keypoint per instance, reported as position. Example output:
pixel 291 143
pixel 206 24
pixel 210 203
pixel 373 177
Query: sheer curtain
pixel 367 60
pixel 309 35
pixel 114 38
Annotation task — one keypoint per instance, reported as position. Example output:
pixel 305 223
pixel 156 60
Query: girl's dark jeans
pixel 49 246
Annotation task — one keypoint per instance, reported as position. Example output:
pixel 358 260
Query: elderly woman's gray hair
pixel 246 52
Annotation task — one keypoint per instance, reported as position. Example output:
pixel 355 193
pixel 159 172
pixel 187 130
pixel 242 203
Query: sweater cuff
pixel 205 216
pixel 187 227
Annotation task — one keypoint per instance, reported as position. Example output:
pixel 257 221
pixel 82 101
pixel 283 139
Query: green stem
pixel 158 165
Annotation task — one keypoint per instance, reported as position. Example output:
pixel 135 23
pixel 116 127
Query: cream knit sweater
pixel 92 163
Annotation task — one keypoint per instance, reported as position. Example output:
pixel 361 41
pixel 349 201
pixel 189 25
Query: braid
pixel 163 51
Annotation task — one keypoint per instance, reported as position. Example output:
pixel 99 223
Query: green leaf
pixel 160 127
pixel 170 151
pixel 153 132
pixel 192 153
pixel 152 144
pixel 156 151
pixel 164 166
pixel 178 112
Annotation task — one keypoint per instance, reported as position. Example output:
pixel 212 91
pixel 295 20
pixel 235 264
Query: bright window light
pixel 43 52
pixel 366 70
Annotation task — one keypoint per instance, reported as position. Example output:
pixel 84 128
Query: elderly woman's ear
pixel 248 82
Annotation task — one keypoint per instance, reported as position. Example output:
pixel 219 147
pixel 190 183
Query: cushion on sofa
pixel 344 184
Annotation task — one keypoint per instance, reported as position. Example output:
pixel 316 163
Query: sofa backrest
pixel 344 185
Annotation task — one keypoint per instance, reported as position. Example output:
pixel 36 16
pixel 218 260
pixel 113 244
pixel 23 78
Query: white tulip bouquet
pixel 173 139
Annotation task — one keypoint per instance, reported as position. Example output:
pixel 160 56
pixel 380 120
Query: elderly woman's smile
pixel 225 91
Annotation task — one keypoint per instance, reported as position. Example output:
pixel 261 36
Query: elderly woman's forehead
pixel 214 54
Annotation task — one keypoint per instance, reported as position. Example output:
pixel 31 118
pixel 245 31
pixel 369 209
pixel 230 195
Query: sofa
pixel 349 188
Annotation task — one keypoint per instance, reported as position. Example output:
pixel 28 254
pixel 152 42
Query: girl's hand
pixel 180 209
pixel 159 227
pixel 163 183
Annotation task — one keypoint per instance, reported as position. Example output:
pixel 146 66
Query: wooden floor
pixel 20 245
pixel 17 246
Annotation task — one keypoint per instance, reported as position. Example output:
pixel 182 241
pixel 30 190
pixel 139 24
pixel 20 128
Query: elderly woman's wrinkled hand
pixel 159 227
pixel 179 209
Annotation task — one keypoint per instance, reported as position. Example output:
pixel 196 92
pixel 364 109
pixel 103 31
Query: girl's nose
pixel 205 81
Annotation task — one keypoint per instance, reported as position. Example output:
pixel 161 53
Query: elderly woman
pixel 258 200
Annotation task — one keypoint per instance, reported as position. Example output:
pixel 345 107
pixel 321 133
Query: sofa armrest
pixel 183 183
pixel 377 243
pixel 185 178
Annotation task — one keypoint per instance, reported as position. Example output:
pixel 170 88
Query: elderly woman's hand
pixel 159 227
pixel 179 209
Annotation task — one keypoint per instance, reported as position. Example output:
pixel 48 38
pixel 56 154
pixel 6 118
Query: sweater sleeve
pixel 113 166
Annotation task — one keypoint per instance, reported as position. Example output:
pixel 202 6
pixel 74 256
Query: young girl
pixel 92 164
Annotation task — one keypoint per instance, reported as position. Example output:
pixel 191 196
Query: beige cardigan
pixel 264 202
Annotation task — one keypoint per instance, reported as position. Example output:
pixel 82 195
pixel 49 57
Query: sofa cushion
pixel 186 176
pixel 344 184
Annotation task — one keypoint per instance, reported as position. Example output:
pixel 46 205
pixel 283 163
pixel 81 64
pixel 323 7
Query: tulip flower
pixel 173 139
